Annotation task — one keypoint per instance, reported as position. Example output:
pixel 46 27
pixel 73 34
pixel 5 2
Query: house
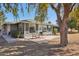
pixel 1 21
pixel 27 27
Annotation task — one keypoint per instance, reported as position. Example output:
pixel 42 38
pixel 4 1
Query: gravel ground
pixel 30 48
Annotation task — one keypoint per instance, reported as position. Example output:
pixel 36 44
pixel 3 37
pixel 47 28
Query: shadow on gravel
pixel 28 48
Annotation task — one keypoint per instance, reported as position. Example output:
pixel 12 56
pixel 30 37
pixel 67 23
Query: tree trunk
pixel 62 21
pixel 78 29
pixel 63 34
pixel 63 30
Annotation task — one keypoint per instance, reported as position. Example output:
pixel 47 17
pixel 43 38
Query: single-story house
pixel 25 27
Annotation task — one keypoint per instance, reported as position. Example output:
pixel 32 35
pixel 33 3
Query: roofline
pixel 27 21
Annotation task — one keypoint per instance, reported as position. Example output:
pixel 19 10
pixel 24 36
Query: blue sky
pixel 51 15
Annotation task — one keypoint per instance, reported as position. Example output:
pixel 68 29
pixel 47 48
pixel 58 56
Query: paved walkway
pixel 9 39
pixel 2 40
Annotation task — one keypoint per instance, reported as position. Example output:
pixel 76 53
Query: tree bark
pixel 78 29
pixel 63 34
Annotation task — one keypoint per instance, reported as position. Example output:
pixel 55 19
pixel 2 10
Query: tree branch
pixel 53 7
pixel 72 7
pixel 57 10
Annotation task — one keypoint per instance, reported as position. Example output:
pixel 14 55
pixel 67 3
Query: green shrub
pixel 54 31
pixel 16 34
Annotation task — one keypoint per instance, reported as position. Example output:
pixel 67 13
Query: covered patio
pixel 27 28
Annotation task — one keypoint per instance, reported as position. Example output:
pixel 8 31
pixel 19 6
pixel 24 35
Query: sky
pixel 30 16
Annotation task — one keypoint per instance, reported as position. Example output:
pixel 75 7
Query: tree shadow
pixel 73 32
pixel 29 48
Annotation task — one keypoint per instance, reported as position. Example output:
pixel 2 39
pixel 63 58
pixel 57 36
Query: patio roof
pixel 11 22
pixel 29 21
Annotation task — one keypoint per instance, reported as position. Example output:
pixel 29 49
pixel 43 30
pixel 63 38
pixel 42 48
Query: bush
pixel 41 33
pixel 54 31
pixel 16 34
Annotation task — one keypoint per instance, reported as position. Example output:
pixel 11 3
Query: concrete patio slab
pixel 41 39
pixel 9 39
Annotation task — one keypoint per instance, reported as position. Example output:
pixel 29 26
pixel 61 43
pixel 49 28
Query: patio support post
pixel 35 28
pixel 28 28
pixel 24 30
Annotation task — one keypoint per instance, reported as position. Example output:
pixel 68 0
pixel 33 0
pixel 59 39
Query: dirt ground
pixel 30 48
pixel 72 49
